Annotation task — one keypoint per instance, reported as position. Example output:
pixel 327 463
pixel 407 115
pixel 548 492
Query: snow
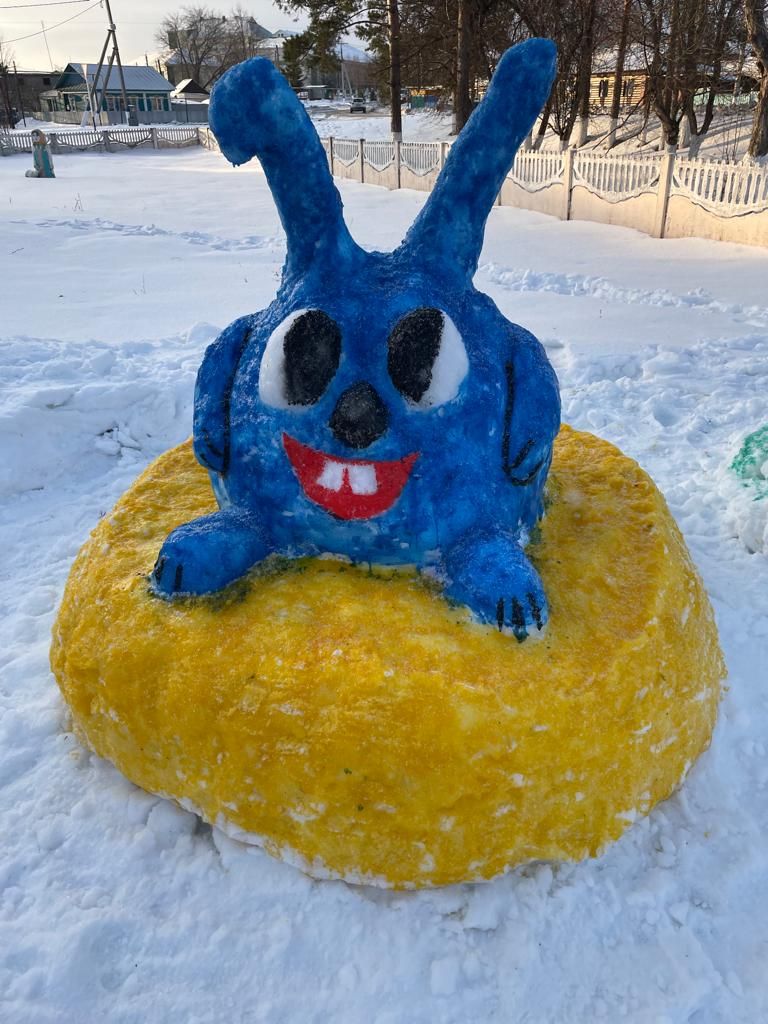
pixel 115 904
pixel 727 138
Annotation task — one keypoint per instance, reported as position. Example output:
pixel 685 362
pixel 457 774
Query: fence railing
pixel 616 178
pixel 727 189
pixel 660 194
pixel 421 157
pixel 535 171
pixel 105 140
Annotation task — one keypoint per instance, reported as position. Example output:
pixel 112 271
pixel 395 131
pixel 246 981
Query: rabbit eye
pixel 300 359
pixel 427 360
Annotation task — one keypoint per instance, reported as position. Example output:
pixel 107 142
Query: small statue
pixel 380 408
pixel 41 156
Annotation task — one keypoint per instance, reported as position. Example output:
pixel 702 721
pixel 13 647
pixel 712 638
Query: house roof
pixel 137 79
pixel 189 85
pixel 635 59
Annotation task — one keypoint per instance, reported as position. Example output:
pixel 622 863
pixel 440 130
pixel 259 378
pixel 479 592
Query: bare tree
pixel 576 27
pixel 686 42
pixel 755 15
pixel 714 40
pixel 618 81
pixel 201 39
pixel 588 10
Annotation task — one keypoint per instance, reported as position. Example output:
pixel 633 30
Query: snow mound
pixel 66 407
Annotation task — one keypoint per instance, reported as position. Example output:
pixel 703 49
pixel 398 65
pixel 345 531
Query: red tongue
pixel 308 465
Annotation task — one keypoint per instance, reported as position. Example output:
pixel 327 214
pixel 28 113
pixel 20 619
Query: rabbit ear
pixel 450 227
pixel 255 112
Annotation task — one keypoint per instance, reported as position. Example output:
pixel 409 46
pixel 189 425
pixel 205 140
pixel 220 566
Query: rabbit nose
pixel 360 416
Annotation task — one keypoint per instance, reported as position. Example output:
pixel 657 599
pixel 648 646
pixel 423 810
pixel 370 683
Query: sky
pixel 82 38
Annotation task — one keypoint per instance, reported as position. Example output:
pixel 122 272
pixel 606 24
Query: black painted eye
pixel 426 360
pixel 300 359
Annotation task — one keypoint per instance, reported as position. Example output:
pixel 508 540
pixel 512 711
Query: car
pixel 358 106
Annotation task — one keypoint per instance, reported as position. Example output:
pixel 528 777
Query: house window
pixel 159 103
pixel 603 90
pixel 628 89
pixel 46 81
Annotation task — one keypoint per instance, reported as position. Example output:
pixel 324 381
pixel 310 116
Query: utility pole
pixel 45 37
pixel 97 91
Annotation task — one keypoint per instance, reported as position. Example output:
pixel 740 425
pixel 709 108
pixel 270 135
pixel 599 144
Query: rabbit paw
pixel 206 555
pixel 495 579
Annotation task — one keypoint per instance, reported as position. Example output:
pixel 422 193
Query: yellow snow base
pixel 353 722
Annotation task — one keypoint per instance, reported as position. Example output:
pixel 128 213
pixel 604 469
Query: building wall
pixel 601 89
pixel 24 91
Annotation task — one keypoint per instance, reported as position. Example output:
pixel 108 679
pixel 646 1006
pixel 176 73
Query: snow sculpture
pixel 41 156
pixel 352 723
pixel 345 717
pixel 380 408
pixel 751 463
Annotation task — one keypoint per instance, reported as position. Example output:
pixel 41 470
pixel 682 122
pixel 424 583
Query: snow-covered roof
pixel 637 59
pixel 137 79
pixel 604 62
pixel 349 52
pixel 189 85
pixel 344 50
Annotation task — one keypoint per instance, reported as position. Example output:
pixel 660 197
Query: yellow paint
pixel 357 723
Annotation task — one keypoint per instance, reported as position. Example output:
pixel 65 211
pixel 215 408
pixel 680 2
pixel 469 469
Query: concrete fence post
pixel 361 144
pixel 569 156
pixel 662 195
pixel 330 156
pixel 398 163
pixel 443 154
pixel 155 141
pixel 53 138
pixel 107 146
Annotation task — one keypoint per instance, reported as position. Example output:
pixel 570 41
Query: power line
pixel 51 3
pixel 50 28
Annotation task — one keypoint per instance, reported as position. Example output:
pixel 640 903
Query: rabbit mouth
pixel 348 488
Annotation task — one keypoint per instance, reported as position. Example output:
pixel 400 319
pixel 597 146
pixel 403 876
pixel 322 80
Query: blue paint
pixel 306 438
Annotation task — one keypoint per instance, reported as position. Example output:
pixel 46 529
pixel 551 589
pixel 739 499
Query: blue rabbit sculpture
pixel 380 408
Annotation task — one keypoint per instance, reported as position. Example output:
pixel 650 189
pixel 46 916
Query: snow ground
pixel 115 905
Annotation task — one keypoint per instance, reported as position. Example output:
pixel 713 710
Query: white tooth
pixel 332 476
pixel 362 479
